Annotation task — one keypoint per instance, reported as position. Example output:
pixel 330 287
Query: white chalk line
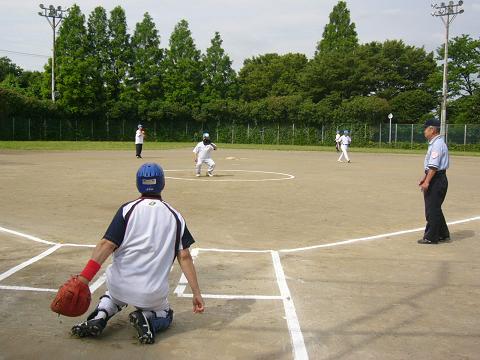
pixel 19 267
pixel 193 178
pixel 235 297
pixel 375 237
pixel 296 336
pixel 26 236
pixel 26 288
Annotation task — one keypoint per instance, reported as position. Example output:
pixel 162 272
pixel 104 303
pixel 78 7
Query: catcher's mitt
pixel 73 298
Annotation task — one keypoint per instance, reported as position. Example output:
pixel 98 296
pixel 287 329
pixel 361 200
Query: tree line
pixel 105 73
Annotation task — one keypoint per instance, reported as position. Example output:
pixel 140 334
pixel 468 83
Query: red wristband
pixel 90 270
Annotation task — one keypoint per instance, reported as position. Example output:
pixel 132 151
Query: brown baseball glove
pixel 73 298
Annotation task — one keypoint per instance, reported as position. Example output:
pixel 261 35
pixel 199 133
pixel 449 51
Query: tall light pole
pixel 53 13
pixel 447 12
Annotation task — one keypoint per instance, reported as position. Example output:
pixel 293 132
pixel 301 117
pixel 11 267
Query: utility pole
pixel 447 12
pixel 54 13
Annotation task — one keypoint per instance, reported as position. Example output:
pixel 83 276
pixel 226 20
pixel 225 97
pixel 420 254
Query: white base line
pixel 368 238
pixel 26 288
pixel 99 282
pixel 235 297
pixel 296 336
pixel 13 270
pixel 30 237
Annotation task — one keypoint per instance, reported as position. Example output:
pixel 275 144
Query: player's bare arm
pixel 186 264
pixel 101 253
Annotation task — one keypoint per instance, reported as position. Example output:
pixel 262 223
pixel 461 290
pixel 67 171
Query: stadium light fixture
pixel 54 17
pixel 447 12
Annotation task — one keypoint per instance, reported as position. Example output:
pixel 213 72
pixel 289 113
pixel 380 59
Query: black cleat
pixel 89 328
pixel 144 331
pixel 427 242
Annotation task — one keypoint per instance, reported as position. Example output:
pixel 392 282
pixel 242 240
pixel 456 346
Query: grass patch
pixel 119 145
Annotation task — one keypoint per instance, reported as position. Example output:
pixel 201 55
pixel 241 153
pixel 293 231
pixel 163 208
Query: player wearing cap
pixel 145 236
pixel 434 184
pixel 202 155
pixel 139 136
pixel 345 142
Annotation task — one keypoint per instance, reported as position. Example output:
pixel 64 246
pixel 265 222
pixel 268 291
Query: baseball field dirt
pixel 279 276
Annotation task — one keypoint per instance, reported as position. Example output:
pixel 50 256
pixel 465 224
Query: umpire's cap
pixel 432 122
pixel 150 178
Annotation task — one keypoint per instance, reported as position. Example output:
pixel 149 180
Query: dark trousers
pixel 138 148
pixel 436 226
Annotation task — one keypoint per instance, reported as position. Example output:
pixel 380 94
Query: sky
pixel 248 27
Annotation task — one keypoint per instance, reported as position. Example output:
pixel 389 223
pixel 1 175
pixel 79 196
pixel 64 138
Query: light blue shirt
pixel 437 154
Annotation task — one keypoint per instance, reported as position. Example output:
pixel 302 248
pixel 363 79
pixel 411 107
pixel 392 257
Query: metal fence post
pixel 464 137
pixel 13 128
pixel 248 131
pixel 396 132
pixel 278 133
pixel 29 130
pixel 232 132
pixel 60 129
pixel 380 137
pixel 293 134
pixel 322 133
pixel 411 138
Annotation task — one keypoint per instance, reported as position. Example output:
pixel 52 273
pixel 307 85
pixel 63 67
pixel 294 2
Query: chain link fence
pixel 398 135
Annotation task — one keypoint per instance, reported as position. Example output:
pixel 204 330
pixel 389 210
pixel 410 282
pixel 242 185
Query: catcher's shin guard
pixel 144 330
pixel 92 326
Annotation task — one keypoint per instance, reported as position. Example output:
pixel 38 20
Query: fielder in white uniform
pixel 145 237
pixel 139 136
pixel 337 141
pixel 345 142
pixel 202 155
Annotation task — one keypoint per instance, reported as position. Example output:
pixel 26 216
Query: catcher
pixel 145 236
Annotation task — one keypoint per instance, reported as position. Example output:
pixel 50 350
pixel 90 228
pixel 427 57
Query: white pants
pixel 344 153
pixel 209 162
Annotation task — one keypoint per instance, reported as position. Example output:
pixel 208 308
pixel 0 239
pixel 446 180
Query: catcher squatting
pixel 145 236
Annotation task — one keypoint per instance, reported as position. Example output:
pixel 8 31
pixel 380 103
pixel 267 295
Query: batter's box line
pixel 296 337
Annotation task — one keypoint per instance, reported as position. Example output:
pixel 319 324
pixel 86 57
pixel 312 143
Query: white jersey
pixel 203 151
pixel 345 140
pixel 148 233
pixel 139 137
pixel 337 138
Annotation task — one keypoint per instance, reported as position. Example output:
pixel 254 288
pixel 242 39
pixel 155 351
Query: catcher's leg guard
pixel 143 327
pixel 161 323
pixel 91 327
pixel 94 325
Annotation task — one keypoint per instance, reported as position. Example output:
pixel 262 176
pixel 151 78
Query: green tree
pixel 7 67
pixel 98 56
pixel 145 73
pixel 463 65
pixel 271 75
pixel 339 34
pixel 183 75
pixel 219 79
pixel 120 54
pixel 412 105
pixel 74 70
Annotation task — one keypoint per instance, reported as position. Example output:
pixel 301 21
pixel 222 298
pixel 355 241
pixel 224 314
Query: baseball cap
pixel 432 122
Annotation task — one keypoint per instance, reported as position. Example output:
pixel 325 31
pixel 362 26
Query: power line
pixel 23 53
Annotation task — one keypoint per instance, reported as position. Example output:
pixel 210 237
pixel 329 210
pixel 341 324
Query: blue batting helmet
pixel 345 132
pixel 140 126
pixel 150 178
pixel 206 135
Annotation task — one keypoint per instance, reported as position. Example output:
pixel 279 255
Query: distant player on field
pixel 202 155
pixel 337 141
pixel 139 136
pixel 345 141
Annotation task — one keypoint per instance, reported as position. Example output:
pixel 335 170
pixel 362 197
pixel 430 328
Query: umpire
pixel 434 184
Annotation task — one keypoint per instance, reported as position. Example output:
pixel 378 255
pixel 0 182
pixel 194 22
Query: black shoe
pixel 143 327
pixel 90 327
pixel 444 239
pixel 426 241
